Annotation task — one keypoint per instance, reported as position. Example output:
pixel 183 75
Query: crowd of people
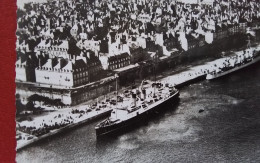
pixel 40 127
pixel 45 127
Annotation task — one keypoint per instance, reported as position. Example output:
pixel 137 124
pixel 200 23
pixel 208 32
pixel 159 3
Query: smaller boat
pixel 234 63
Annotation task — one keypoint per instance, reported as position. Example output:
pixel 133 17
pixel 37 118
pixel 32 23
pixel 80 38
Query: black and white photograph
pixel 149 81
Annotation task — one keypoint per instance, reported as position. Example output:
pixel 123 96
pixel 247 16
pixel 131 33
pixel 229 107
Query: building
pixel 89 45
pixel 94 65
pixel 139 41
pixel 159 39
pixel 22 45
pixel 150 42
pixel 62 72
pixel 54 48
pixel 25 70
pixel 74 30
pixel 47 34
pixel 144 18
pixel 171 42
pixel 118 61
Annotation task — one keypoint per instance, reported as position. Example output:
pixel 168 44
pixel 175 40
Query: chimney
pixel 73 59
pixel 48 23
pixel 60 62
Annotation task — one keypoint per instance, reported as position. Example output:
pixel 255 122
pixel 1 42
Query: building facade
pixel 62 72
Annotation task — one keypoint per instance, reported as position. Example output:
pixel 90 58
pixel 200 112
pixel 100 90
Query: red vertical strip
pixel 7 78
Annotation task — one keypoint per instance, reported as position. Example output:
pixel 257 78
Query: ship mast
pixel 116 76
pixel 155 65
pixel 142 89
pixel 248 42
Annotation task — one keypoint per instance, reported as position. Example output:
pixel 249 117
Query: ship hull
pixel 124 125
pixel 214 76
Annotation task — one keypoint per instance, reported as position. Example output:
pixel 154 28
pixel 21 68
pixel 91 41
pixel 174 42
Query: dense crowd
pixel 58 121
pixel 44 127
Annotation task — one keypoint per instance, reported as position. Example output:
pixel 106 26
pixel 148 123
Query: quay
pixel 22 143
pixel 179 79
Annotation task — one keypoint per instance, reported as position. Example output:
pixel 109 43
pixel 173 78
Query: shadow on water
pixel 154 116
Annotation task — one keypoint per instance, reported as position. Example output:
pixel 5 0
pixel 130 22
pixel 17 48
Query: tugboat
pixel 231 64
pixel 132 109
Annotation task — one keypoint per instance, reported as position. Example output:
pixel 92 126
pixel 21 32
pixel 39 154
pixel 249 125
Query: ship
pixel 235 63
pixel 136 104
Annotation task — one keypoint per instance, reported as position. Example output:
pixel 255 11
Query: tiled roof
pixel 121 56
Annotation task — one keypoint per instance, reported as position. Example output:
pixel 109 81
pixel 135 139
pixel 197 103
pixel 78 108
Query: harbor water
pixel 214 121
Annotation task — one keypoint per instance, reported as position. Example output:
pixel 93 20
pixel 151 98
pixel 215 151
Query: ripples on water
pixel 227 131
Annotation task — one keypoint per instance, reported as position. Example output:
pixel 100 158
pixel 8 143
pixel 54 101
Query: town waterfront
pixel 226 131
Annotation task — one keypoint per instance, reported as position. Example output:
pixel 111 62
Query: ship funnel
pixel 134 97
pixel 144 93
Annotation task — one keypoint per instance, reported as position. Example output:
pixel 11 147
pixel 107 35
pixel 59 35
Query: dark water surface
pixel 227 131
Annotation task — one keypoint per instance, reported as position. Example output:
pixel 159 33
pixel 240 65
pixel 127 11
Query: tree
pixel 35 97
pixel 19 106
pixel 30 106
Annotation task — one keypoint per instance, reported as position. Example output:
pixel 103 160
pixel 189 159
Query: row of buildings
pixel 68 71
pixel 71 43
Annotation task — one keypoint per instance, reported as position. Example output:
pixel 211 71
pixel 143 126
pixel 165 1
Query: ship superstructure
pixel 234 63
